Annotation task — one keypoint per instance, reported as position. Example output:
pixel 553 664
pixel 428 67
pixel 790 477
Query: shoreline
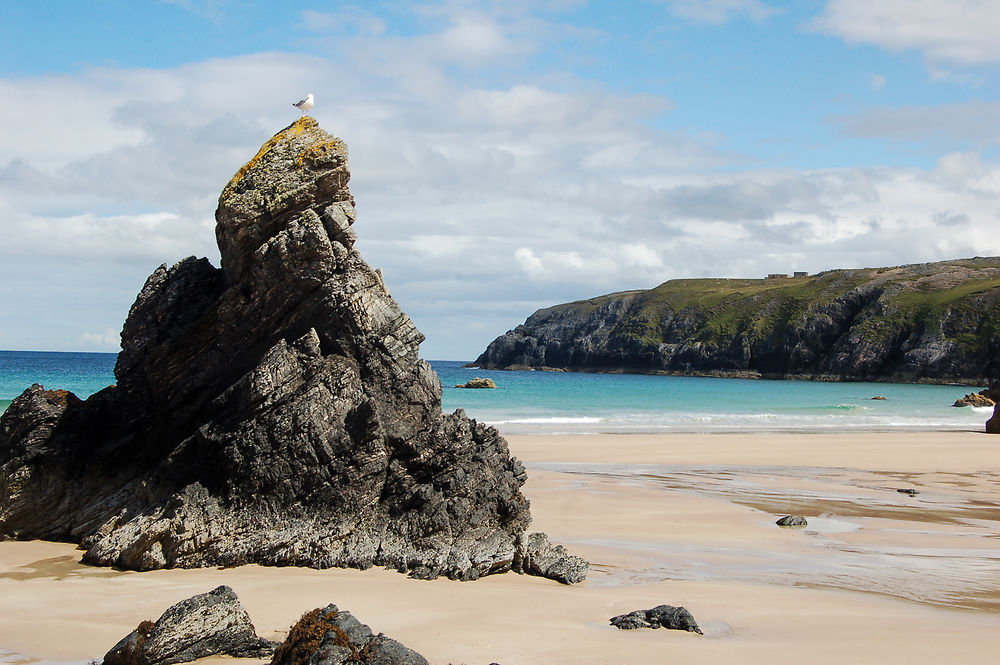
pixel 682 519
pixel 754 375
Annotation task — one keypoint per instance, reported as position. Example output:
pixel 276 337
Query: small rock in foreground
pixel 535 555
pixel 477 383
pixel 792 520
pixel 910 492
pixel 328 636
pixel 661 616
pixel 208 624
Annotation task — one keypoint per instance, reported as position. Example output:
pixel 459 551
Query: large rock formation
pixel 935 322
pixel 273 411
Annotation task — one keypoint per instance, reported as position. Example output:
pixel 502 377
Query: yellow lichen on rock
pixel 316 152
pixel 290 132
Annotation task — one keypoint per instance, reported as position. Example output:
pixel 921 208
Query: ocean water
pixel 563 402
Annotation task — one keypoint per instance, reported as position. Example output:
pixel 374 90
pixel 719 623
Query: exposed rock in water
pixel 537 556
pixel 927 322
pixel 273 411
pixel 661 616
pixel 209 624
pixel 879 398
pixel 974 399
pixel 477 383
pixel 328 636
pixel 792 520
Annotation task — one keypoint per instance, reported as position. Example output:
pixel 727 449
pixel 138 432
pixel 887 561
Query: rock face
pixel 537 556
pixel 661 616
pixel 993 392
pixel 934 322
pixel 328 636
pixel 273 411
pixel 974 399
pixel 209 624
pixel 792 520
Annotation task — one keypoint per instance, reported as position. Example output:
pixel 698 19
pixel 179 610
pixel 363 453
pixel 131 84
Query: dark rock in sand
pixel 274 411
pixel 792 520
pixel 477 383
pixel 328 636
pixel 209 624
pixel 661 616
pixel 537 556
pixel 910 492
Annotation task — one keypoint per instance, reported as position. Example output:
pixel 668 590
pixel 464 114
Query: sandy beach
pixel 681 519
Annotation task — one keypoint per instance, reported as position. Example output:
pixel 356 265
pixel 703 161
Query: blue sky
pixel 505 156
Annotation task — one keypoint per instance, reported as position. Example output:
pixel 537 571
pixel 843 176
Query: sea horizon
pixel 526 402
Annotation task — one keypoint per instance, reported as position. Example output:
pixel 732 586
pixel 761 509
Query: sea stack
pixel 273 411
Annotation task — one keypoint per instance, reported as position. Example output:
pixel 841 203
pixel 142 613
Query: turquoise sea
pixel 558 402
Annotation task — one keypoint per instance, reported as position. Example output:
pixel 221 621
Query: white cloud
pixel 109 340
pixel 476 200
pixel 973 121
pixel 876 82
pixel 963 32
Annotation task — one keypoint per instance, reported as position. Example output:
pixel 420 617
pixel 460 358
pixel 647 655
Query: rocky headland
pixel 271 411
pixel 931 322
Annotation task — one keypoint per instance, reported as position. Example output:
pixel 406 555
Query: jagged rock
pixel 879 398
pixel 974 399
pixel 792 520
pixel 661 616
pixel 328 636
pixel 908 491
pixel 993 392
pixel 926 322
pixel 537 556
pixel 208 624
pixel 273 411
pixel 477 383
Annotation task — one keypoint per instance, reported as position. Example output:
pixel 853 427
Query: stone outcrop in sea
pixel 273 411
pixel 930 322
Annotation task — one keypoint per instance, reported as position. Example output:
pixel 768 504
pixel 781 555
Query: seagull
pixel 305 104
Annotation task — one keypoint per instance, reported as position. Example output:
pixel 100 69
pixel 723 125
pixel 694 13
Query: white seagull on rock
pixel 305 104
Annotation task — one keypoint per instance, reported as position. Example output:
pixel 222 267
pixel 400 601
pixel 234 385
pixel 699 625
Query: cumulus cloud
pixel 959 32
pixel 972 121
pixel 482 200
pixel 109 340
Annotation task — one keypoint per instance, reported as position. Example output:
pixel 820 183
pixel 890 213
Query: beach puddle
pixel 13 658
pixel 939 547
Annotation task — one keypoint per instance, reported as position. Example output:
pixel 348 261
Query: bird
pixel 305 104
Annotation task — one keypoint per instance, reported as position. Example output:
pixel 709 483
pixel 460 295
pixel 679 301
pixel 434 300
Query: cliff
pixel 273 411
pixel 933 322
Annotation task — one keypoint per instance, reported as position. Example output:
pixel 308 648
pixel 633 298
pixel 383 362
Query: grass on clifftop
pixel 910 298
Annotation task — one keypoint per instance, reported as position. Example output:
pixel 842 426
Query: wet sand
pixel 681 519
